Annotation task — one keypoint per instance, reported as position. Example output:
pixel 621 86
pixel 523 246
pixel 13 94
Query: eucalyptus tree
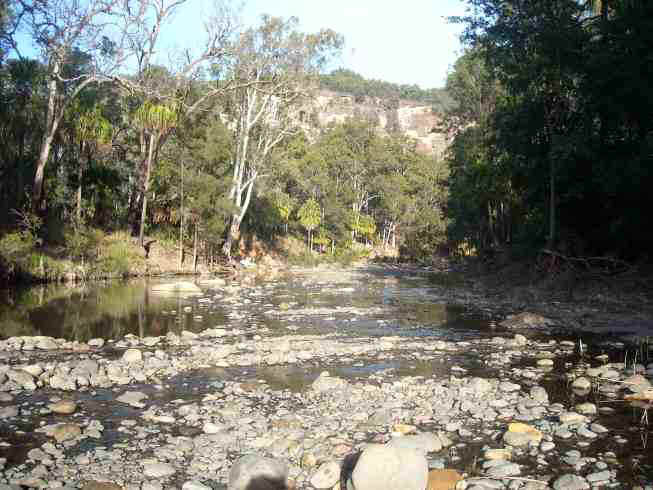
pixel 61 30
pixel 272 71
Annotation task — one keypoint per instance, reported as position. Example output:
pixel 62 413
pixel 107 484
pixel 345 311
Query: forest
pixel 108 136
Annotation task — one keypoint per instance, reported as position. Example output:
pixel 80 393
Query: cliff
pixel 412 119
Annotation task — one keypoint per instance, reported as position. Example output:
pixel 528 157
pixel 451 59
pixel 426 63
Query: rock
pixel 384 467
pixel 35 370
pixel 586 408
pixel 177 287
pixel 570 482
pixel 581 383
pixel 599 476
pixel 519 435
pixel 443 479
pixel 572 418
pixel 158 470
pixel 253 471
pixel 66 432
pixel 46 343
pixel 194 485
pixel 545 362
pixel 404 429
pixel 101 485
pixel 22 378
pixel 426 442
pixel 133 398
pixel 526 320
pixel 132 355
pixel 97 343
pixel 326 476
pixel 63 407
pixel 495 454
pixel 479 386
pixel 325 383
pixel 6 397
pixel 637 383
pixel 503 469
pixel 8 412
pixel 539 394
pixel 210 428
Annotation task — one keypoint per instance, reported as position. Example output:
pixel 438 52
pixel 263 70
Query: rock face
pixel 384 467
pixel 253 471
pixel 413 119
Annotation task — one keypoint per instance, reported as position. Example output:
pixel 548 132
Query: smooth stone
pixel 66 432
pixel 572 418
pixel 158 470
pixel 97 343
pixel 8 412
pixel 132 355
pixel 133 398
pixel 194 485
pixel 497 454
pixel 443 479
pixel 254 471
pixel 504 469
pixel 384 467
pixel 581 383
pixel 586 408
pixel 326 476
pixel 570 482
pixel 425 442
pixel 63 407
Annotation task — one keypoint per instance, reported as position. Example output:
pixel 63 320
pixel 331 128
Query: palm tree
pixel 92 129
pixel 155 120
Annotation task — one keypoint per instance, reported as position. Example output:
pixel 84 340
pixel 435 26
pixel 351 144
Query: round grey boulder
pixel 254 472
pixel 385 467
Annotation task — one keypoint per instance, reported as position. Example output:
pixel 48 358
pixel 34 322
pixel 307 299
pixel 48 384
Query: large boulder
pixel 385 467
pixel 254 472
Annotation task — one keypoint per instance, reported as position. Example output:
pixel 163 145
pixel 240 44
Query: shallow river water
pixel 345 305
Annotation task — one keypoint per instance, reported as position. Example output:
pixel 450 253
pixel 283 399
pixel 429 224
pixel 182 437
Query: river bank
pixel 431 371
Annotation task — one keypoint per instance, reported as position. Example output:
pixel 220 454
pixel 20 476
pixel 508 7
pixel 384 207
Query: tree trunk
pixel 232 234
pixel 181 221
pixel 195 249
pixel 51 125
pixel 146 186
pixel 552 205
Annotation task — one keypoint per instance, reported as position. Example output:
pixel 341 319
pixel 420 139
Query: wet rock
pixel 66 432
pixel 572 418
pixel 133 398
pixel 326 476
pixel 570 482
pixel 158 470
pixel 496 454
pixel 253 471
pixel 132 356
pixel 383 467
pixel 63 407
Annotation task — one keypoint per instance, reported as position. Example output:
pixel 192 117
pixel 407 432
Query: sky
pixel 402 42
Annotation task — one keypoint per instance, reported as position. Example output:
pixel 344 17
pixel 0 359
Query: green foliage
pixel 350 82
pixel 310 215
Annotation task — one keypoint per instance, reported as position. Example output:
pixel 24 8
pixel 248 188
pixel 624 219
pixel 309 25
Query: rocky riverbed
pixel 365 380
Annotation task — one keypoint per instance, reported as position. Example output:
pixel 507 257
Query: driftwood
pixel 553 262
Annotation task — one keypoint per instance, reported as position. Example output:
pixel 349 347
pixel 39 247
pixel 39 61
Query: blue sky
pixel 401 42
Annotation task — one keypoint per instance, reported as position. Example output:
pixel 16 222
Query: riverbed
pixel 122 383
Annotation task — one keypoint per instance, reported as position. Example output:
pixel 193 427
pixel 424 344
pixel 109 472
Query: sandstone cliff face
pixel 409 118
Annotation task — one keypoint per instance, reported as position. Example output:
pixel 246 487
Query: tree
pixel 64 31
pixel 155 120
pixel 310 217
pixel 92 129
pixel 273 66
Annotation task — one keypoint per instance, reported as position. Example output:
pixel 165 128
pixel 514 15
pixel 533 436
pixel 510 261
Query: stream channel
pixel 244 361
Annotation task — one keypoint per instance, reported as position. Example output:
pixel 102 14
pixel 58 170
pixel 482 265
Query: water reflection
pixel 102 310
